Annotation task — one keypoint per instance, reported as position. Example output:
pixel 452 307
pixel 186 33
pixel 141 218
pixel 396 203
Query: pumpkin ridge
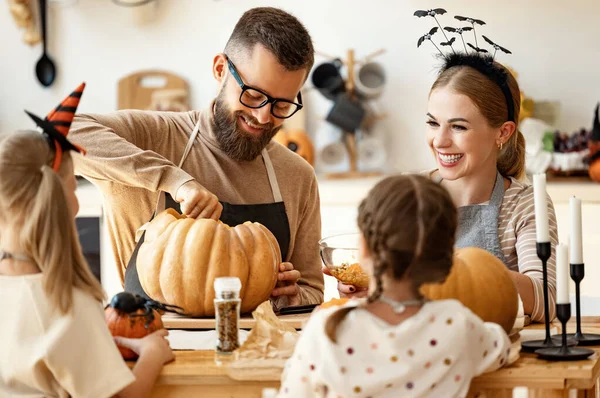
pixel 159 226
pixel 255 292
pixel 220 241
pixel 266 276
pixel 151 261
pixel 171 261
pixel 247 254
pixel 186 267
pixel 147 270
pixel 205 235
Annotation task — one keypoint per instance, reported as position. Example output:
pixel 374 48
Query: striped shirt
pixel 516 231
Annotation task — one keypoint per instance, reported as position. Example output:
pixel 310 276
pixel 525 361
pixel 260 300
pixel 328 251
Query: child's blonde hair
pixel 32 196
pixel 408 223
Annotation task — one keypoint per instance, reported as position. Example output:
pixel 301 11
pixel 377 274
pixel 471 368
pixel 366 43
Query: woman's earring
pixel 500 146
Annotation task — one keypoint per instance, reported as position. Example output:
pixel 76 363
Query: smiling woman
pixel 473 134
pixel 480 153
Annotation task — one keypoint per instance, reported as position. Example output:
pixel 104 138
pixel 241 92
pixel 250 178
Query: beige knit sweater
pixel 131 155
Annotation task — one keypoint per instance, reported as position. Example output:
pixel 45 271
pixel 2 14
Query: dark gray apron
pixel 271 215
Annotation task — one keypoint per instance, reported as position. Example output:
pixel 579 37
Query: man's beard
pixel 233 140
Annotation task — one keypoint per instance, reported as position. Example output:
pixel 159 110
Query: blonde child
pixel 53 339
pixel 394 343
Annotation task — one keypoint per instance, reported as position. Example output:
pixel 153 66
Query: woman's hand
pixel 348 291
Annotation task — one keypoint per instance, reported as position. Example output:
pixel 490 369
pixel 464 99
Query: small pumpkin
pixel 297 141
pixel 594 169
pixel 181 257
pixel 482 283
pixel 132 317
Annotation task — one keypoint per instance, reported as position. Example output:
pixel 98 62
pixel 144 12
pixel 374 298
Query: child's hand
pixel 154 344
pixel 351 291
pixel 348 291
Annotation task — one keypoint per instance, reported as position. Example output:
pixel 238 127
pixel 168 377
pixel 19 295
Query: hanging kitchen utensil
pixel 45 68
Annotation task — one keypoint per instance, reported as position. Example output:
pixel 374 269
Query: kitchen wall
pixel 555 46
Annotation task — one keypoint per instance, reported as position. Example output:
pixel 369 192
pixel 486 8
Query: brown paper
pixel 270 338
pixel 269 345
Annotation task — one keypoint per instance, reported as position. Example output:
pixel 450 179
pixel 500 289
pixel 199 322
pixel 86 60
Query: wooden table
pixel 199 373
pixel 204 374
pixel 545 378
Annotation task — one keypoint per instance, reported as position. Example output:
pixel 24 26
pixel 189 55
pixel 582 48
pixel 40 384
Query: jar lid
pixel 227 284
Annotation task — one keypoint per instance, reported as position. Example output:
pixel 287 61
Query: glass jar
pixel 227 313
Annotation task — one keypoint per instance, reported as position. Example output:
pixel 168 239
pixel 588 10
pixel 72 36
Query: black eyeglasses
pixel 255 98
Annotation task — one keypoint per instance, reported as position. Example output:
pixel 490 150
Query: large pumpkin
pixel 181 257
pixel 481 282
pixel 130 322
pixel 297 141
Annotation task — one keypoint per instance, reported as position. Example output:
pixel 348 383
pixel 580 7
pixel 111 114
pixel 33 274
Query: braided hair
pixel 408 223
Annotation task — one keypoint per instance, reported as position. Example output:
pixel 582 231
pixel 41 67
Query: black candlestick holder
pixel 577 274
pixel 564 352
pixel 543 252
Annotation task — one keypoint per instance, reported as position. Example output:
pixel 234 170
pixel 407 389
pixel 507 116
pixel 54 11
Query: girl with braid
pixel 393 343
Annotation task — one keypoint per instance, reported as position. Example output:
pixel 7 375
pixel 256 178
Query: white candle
pixel 576 245
pixel 541 208
pixel 562 274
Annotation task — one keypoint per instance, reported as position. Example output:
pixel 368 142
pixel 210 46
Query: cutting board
pixel 135 90
pixel 174 321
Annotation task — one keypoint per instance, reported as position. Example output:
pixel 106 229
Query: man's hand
pixel 197 202
pixel 287 284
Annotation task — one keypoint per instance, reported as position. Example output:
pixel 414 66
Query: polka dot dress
pixel 434 353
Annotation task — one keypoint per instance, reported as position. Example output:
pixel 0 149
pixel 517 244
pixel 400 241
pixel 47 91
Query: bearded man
pixel 219 162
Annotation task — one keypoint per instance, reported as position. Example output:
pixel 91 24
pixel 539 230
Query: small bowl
pixel 340 255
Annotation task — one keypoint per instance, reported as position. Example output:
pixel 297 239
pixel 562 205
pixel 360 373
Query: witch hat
pixel 55 126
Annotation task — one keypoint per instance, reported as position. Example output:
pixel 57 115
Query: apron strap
pixel 190 144
pixel 161 202
pixel 272 177
pixel 498 191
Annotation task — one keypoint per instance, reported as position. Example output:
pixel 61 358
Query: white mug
pixel 370 79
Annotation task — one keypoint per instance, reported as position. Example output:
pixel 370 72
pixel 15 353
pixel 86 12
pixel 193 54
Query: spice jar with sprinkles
pixel 227 313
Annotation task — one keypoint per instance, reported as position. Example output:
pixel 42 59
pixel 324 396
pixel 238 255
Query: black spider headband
pixel 479 58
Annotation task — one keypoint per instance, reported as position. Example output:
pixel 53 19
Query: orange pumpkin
pixel 297 141
pixel 594 170
pixel 482 283
pixel 594 167
pixel 134 324
pixel 181 257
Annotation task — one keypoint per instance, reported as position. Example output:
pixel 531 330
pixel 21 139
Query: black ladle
pixel 45 68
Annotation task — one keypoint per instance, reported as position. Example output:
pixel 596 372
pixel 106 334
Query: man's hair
pixel 279 32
